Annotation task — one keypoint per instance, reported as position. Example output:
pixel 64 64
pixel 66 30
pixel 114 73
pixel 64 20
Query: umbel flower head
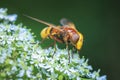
pixel 20 59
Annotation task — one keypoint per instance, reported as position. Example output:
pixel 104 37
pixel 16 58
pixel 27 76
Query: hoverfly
pixel 67 33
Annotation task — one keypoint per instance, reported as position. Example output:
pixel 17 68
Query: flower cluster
pixel 22 58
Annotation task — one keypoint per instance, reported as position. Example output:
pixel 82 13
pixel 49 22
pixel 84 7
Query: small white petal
pixel 12 18
pixel 28 72
pixel 21 73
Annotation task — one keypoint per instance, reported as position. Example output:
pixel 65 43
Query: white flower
pixel 59 68
pixel 72 70
pixel 25 48
pixel 1 16
pixel 2 59
pixel 51 70
pixel 14 68
pixel 19 79
pixel 41 65
pixel 11 62
pixel 102 78
pixel 21 73
pixel 2 27
pixel 13 27
pixel 3 10
pixel 35 56
pixel 11 18
pixel 67 72
pixel 29 72
pixel 78 78
pixel 21 58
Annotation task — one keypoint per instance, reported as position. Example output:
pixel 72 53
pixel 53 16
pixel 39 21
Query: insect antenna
pixel 38 20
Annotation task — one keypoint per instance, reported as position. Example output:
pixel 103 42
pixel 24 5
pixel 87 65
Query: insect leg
pixel 73 51
pixel 78 51
pixel 55 48
pixel 42 41
pixel 68 51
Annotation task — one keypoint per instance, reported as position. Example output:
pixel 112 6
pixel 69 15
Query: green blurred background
pixel 98 20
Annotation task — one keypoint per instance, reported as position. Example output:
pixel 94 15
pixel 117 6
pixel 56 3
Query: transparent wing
pixel 66 22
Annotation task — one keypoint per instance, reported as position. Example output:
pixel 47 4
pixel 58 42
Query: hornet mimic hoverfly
pixel 67 33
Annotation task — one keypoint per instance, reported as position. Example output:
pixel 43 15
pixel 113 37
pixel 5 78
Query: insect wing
pixel 65 22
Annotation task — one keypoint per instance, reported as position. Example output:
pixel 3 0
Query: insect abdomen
pixel 79 42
